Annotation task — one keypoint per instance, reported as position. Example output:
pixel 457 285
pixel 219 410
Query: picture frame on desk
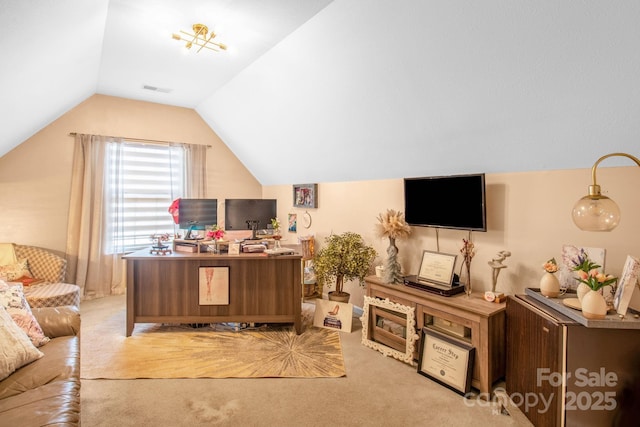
pixel 213 285
pixel 570 255
pixel 626 285
pixel 234 249
pixel 446 361
pixel 437 267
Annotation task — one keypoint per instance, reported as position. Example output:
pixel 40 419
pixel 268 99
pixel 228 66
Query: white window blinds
pixel 143 181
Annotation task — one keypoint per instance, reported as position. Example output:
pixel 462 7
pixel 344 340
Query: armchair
pixel 52 291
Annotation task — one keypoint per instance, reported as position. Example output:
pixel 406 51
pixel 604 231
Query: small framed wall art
pixel 305 195
pixel 213 285
pixel 292 223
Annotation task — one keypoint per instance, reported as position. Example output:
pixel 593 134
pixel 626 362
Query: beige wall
pixel 528 213
pixel 35 177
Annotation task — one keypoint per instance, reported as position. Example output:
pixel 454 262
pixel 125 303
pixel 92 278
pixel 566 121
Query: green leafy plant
pixel 343 257
pixel 589 274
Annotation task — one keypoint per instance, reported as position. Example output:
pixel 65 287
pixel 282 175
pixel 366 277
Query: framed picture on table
pixel 437 267
pixel 626 285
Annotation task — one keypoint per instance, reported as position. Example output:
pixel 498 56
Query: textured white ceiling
pixel 50 60
pixel 138 49
pixel 387 89
pixel 57 53
pixel 346 89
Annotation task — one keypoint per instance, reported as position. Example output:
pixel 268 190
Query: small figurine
pixel 496 265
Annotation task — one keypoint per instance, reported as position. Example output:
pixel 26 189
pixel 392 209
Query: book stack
pixel 186 247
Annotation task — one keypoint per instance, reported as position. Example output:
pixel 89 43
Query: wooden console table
pixel 165 288
pixel 577 374
pixel 472 320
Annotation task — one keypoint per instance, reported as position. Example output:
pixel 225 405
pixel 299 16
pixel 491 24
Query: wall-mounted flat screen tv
pixel 455 201
pixel 249 214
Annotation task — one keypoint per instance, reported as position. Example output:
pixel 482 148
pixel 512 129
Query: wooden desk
pixel 484 323
pixel 165 288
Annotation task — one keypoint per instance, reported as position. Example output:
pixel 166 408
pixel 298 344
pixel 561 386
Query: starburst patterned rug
pixel 214 351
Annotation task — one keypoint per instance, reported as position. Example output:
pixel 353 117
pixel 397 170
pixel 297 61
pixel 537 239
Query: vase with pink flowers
pixel 593 303
pixel 549 283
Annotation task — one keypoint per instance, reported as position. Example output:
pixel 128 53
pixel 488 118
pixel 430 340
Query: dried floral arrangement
pixel 468 251
pixel 392 225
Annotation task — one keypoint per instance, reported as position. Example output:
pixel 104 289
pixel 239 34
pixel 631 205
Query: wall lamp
pixel 595 212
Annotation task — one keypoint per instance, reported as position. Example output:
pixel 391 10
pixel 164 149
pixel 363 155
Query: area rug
pixel 212 351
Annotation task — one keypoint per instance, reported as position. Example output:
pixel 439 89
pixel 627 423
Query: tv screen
pixel 456 201
pixel 244 214
pixel 196 214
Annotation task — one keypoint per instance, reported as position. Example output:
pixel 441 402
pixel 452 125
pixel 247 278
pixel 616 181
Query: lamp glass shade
pixel 596 213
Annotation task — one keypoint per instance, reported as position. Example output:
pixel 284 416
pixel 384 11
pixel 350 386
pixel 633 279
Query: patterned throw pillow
pixel 12 298
pixel 17 349
pixel 11 272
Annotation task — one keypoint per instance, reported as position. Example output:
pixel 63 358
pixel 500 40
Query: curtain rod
pixel 143 140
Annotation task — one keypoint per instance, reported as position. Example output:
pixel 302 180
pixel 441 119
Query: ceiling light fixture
pixel 595 212
pixel 199 38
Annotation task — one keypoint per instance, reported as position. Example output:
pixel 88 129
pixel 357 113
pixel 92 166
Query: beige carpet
pixel 378 391
pixel 180 351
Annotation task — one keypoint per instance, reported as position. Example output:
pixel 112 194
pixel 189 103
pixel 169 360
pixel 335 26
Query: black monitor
pixel 197 214
pixel 249 214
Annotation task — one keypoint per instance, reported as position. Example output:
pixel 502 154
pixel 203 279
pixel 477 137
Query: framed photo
pixel 333 315
pixel 305 195
pixel 446 361
pixel 292 223
pixel 570 253
pixel 389 327
pixel 437 267
pixel 213 285
pixel 626 285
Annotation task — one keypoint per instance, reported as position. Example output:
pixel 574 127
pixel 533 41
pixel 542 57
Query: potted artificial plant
pixel 344 257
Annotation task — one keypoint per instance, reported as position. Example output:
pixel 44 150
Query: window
pixel 141 180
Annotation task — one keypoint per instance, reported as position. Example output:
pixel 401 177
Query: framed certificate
pixel 446 361
pixel 437 267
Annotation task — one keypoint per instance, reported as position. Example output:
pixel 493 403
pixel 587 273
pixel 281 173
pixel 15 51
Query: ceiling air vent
pixel 157 89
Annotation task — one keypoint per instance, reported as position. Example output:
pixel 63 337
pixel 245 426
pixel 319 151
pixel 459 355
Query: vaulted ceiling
pixel 321 90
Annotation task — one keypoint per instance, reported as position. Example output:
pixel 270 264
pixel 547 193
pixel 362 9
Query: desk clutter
pixel 227 246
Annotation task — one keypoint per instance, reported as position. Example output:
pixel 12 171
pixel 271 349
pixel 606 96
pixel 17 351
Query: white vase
pixel 550 285
pixel 594 306
pixel 582 290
